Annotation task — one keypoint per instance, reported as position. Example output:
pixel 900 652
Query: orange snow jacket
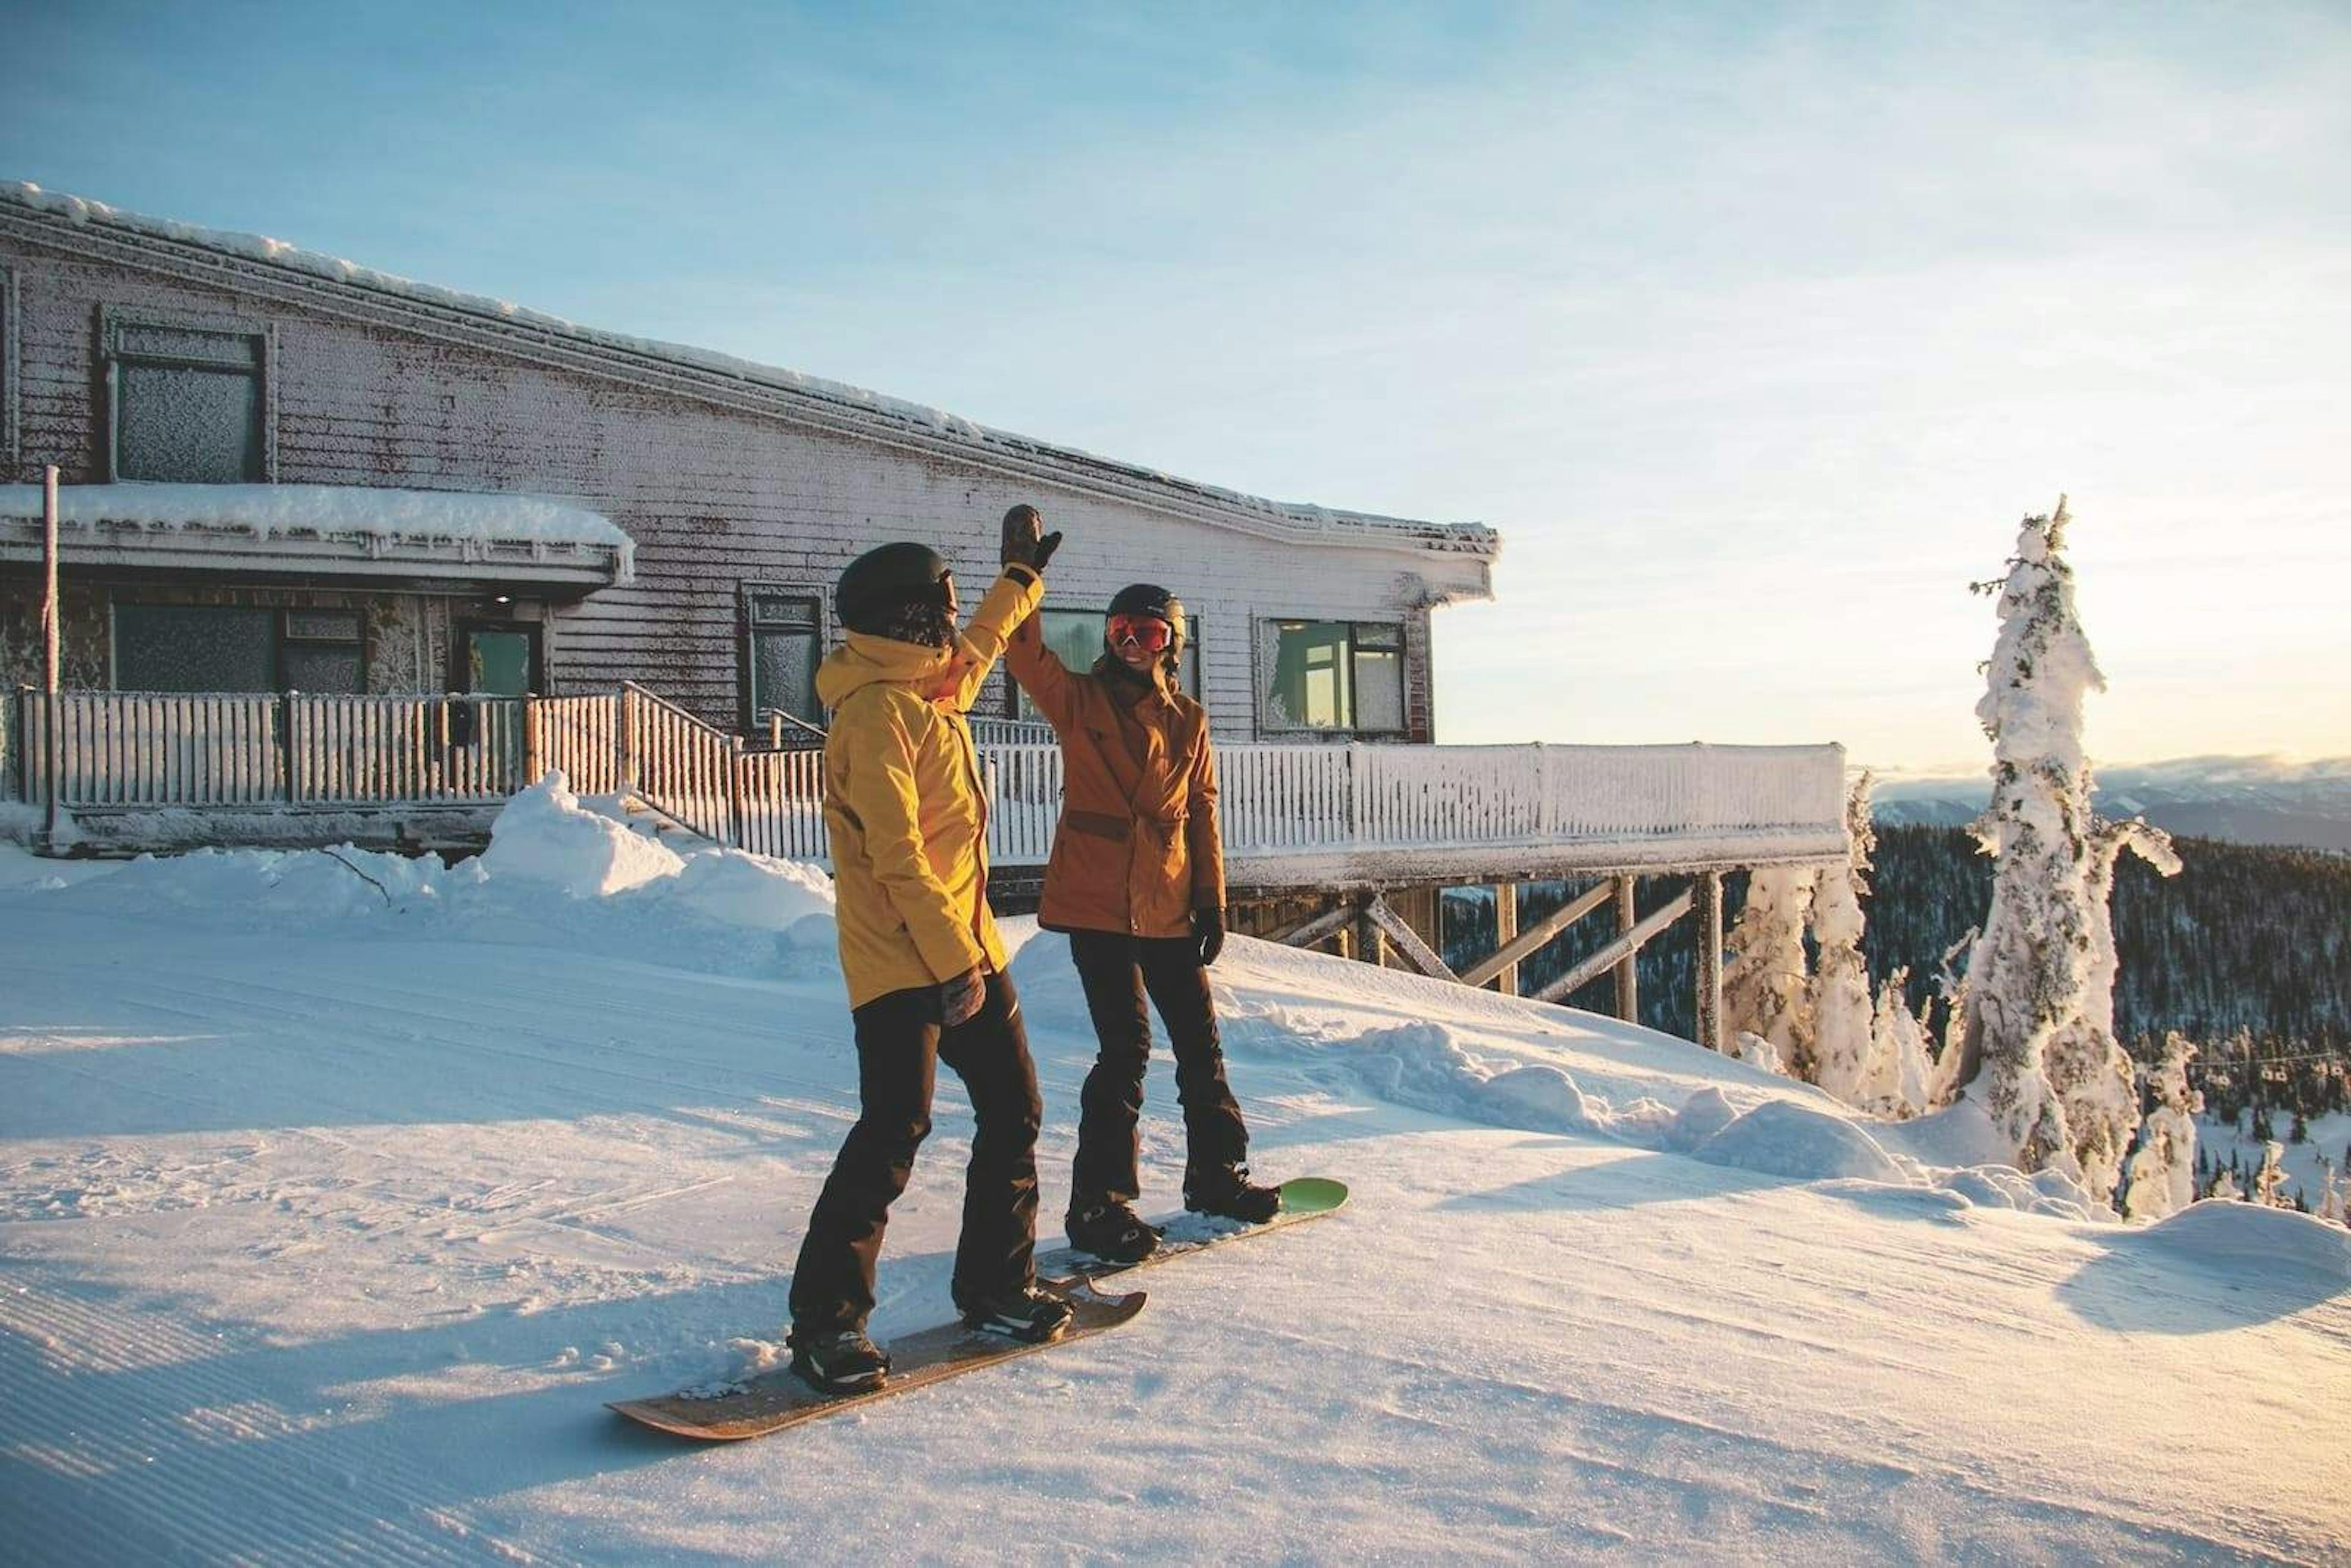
pixel 1137 847
pixel 903 811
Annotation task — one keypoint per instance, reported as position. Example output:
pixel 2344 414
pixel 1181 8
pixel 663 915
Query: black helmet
pixel 880 583
pixel 1150 598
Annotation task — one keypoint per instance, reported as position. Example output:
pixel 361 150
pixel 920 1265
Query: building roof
pixel 1290 519
pixel 335 530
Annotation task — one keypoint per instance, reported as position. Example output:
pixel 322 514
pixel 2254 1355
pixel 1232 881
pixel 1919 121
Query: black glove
pixel 1026 543
pixel 960 997
pixel 1208 931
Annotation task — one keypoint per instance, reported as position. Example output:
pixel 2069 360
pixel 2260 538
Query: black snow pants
pixel 1117 971
pixel 900 1043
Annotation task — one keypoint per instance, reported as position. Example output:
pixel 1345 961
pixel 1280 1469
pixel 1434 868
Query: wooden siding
pixel 715 495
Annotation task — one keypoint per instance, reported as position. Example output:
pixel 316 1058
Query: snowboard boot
pixel 1227 1193
pixel 1028 1314
pixel 838 1361
pixel 1109 1229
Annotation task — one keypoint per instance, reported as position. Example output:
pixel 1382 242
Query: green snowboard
pixel 1302 1198
pixel 775 1400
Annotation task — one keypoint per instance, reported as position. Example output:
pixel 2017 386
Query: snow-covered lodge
pixel 345 554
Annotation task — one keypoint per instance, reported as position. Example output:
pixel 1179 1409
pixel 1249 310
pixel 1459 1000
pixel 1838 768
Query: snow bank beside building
pixel 556 871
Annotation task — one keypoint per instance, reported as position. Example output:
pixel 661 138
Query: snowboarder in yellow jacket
pixel 1137 880
pixel 920 955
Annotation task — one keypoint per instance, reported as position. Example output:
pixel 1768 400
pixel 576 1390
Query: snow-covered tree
pixel 2224 1186
pixel 2086 1065
pixel 1839 1003
pixel 2163 1169
pixel 2269 1182
pixel 1901 1080
pixel 1764 982
pixel 1757 1051
pixel 2055 1083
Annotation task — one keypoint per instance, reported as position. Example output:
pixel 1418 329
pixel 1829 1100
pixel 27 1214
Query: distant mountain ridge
pixel 2242 799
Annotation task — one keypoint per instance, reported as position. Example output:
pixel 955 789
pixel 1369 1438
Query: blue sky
pixel 1755 328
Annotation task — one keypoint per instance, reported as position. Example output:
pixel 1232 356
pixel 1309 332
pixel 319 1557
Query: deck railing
pixel 136 751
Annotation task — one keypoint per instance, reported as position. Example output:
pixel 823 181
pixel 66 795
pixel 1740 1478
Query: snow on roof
pixel 343 510
pixel 1470 538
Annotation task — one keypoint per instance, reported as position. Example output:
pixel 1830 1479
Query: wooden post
pixel 530 741
pixel 1505 925
pixel 1628 973
pixel 52 617
pixel 1368 941
pixel 736 835
pixel 286 741
pixel 1710 960
pixel 624 761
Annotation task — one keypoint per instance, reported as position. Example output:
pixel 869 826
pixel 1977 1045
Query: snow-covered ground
pixel 336 1196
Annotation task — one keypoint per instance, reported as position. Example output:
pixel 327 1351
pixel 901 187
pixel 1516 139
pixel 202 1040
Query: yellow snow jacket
pixel 902 805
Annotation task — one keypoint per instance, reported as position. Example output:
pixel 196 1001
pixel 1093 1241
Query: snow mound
pixel 2236 1239
pixel 544 835
pixel 2050 1193
pixel 735 888
pixel 1782 1138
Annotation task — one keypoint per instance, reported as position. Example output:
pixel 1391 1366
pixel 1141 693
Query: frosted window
pixel 188 404
pixel 1311 684
pixel 323 668
pixel 1379 690
pixel 194 648
pixel 1336 675
pixel 1076 635
pixel 785 650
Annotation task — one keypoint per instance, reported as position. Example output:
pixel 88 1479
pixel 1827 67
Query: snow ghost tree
pixel 1902 1072
pixel 2269 1182
pixel 1763 984
pixel 2056 1085
pixel 1842 1015
pixel 2163 1169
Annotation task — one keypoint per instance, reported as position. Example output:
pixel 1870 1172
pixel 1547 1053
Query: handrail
pixel 1346 807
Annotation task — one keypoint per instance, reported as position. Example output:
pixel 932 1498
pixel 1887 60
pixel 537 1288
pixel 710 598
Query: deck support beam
pixel 1628 973
pixel 1506 927
pixel 1316 929
pixel 1710 960
pixel 1528 941
pixel 1622 950
pixel 1406 941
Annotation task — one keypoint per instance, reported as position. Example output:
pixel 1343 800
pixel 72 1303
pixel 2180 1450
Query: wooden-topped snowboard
pixel 775 1400
pixel 1302 1198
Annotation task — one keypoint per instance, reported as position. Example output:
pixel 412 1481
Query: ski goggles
pixel 1148 633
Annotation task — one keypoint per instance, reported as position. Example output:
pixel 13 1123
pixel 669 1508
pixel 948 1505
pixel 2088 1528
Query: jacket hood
pixel 865 659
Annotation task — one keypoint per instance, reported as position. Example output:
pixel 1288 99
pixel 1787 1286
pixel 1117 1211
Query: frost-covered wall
pixel 404 637
pixel 724 483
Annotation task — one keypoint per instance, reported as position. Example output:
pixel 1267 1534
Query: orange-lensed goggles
pixel 1146 631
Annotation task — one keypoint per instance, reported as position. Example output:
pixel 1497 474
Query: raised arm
pixel 1041 674
pixel 1011 601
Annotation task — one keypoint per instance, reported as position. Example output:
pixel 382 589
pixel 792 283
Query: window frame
pixel 1014 697
pixel 746 646
pixel 113 319
pixel 1274 721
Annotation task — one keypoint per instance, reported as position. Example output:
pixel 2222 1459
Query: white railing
pixel 131 751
